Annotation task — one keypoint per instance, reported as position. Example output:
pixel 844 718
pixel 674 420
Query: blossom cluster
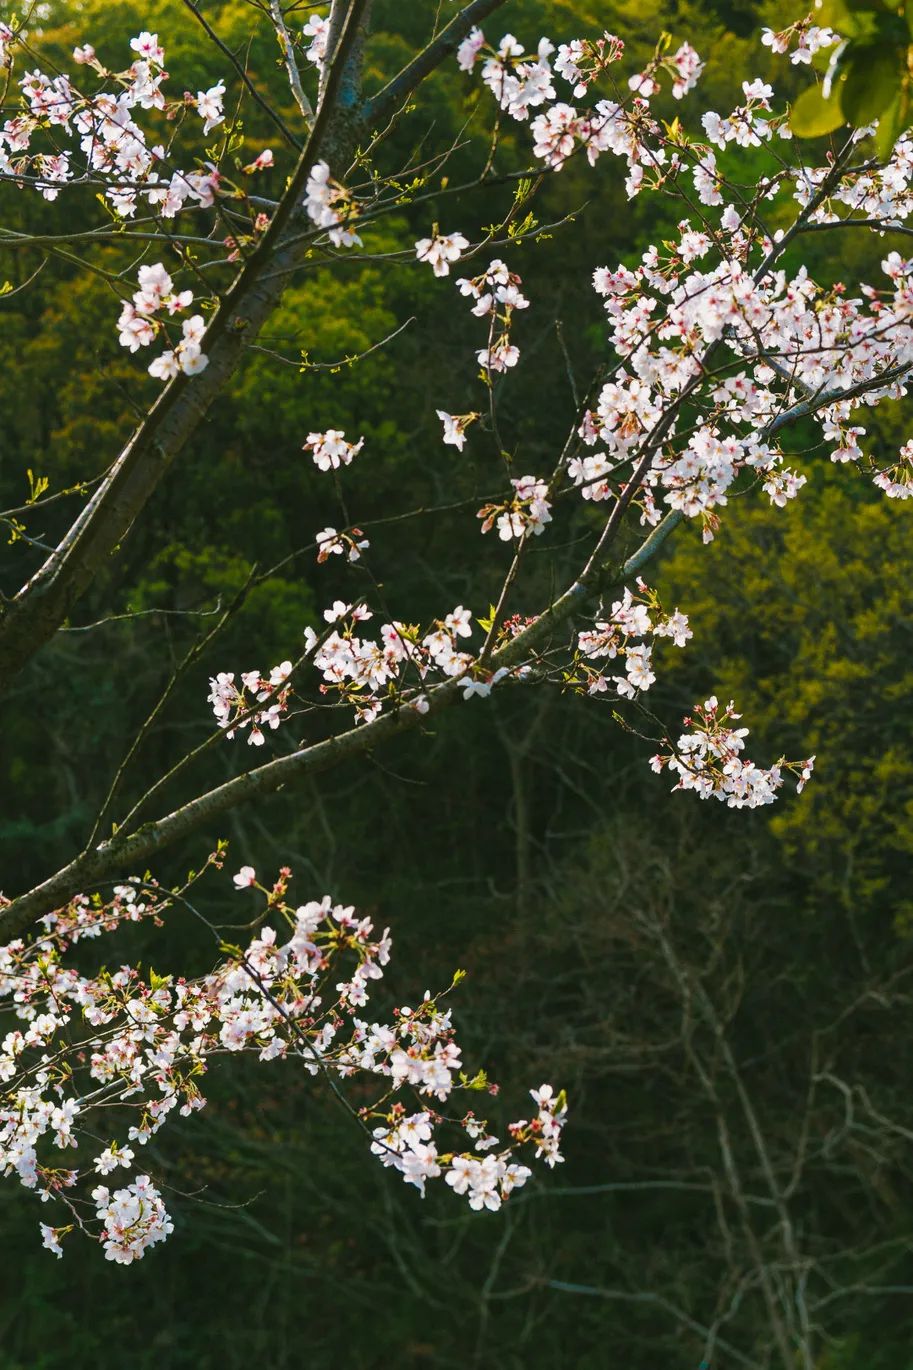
pixel 405 1142
pixel 497 294
pixel 329 205
pixel 366 673
pixel 132 1219
pixel 441 250
pixel 527 512
pixel 87 1048
pixel 6 40
pixel 237 706
pixel 746 125
pixel 520 84
pixel 708 760
pixel 139 325
pixel 330 450
pixel 399 669
pixel 897 480
pixel 624 635
pixel 108 145
pixel 317 31
pixel 684 67
pixel 807 36
pixel 778 340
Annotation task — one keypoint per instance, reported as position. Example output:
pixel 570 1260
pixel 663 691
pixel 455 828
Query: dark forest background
pixel 725 996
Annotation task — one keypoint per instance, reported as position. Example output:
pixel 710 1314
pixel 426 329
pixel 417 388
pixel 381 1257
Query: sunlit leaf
pixel 812 115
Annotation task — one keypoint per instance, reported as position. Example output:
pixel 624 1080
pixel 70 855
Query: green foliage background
pixel 525 841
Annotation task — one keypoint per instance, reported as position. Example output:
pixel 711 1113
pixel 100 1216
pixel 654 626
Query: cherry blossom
pixel 441 250
pixel 299 991
pixel 455 426
pixel 209 106
pixel 317 29
pixel 330 450
pixel 330 206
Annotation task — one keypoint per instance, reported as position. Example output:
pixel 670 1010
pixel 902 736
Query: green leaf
pixel 812 115
pixel 893 122
pixel 37 486
pixel 850 18
pixel 861 6
pixel 873 76
pixel 892 28
pixel 486 623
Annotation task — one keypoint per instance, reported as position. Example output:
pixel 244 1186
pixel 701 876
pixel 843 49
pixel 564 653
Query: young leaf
pixel 873 75
pixel 812 115
pixel 893 122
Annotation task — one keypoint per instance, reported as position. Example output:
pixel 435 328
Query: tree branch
pixel 123 850
pixel 291 66
pixel 380 107
pixel 239 68
pixel 36 612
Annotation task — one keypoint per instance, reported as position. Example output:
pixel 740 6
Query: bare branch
pixel 382 105
pixel 291 66
pixel 240 69
pixel 35 613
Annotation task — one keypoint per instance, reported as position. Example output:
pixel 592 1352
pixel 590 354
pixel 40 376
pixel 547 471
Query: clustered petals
pixel 709 760
pixel 140 323
pixel 299 989
pixel 623 635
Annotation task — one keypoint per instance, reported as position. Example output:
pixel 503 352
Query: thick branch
pixel 239 68
pixel 133 851
pixel 382 105
pixel 823 398
pixel 291 66
pixel 40 607
pixel 37 611
pixel 125 852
